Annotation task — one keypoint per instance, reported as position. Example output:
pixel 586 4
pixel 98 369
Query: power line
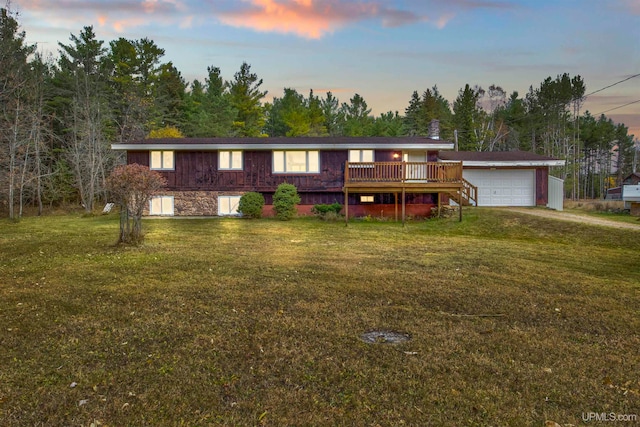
pixel 611 85
pixel 620 106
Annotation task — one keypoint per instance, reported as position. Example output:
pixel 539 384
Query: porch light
pixel 396 156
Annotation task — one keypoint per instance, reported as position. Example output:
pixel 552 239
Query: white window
pixel 230 160
pixel 366 199
pixel 161 205
pixel 161 160
pixel 358 156
pixel 228 205
pixel 296 161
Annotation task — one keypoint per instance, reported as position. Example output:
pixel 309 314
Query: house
pixel 510 178
pixel 632 179
pixel 631 193
pixel 377 176
pixel 615 193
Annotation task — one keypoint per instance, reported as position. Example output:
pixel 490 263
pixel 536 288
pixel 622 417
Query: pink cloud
pixel 311 18
pixel 633 6
pixel 119 15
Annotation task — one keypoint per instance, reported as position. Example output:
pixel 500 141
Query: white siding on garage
pixel 507 187
pixel 556 193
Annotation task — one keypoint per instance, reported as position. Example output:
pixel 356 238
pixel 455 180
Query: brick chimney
pixel 434 129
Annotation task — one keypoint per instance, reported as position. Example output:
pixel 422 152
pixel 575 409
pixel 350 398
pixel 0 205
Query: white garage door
pixel 511 187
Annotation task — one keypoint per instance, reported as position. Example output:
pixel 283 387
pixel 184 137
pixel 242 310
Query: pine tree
pixel 245 98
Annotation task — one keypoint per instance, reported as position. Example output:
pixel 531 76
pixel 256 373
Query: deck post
pixel 460 207
pixel 396 200
pixel 439 203
pixel 403 206
pixel 346 207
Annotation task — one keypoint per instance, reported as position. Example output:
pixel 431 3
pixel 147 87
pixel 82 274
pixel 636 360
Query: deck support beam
pixel 346 207
pixel 396 200
pixel 404 211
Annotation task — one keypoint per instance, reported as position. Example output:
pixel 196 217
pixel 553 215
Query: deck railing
pixel 403 172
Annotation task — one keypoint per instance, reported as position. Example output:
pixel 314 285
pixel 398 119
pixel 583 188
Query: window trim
pixel 230 167
pixel 162 167
pixel 173 206
pixel 228 196
pixel 369 198
pixel 284 162
pixel 358 163
pixel 361 155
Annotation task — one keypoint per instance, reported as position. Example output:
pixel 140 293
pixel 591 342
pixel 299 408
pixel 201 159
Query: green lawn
pixel 514 320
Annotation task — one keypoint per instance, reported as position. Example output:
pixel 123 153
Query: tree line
pixel 59 117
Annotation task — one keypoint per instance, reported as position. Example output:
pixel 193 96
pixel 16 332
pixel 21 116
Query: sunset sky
pixel 381 49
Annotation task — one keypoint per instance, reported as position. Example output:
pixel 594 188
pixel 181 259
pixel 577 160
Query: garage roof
pixel 499 158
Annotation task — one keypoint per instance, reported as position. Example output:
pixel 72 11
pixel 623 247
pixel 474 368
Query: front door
pixel 415 172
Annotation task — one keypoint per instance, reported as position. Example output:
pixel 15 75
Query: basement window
pixel 228 205
pixel 161 160
pixel 161 205
pixel 366 199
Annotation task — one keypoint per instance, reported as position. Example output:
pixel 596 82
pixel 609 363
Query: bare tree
pixel 14 97
pixel 131 187
pixel 83 80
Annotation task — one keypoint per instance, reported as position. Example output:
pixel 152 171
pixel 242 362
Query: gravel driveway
pixel 584 219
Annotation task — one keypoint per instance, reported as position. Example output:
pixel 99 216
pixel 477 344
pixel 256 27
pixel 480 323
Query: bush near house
pixel 323 209
pixel 327 212
pixel 251 205
pixel 285 200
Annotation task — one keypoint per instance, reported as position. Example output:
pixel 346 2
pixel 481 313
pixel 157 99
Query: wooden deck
pixel 408 177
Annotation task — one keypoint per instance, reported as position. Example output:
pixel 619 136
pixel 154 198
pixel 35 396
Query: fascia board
pixel 262 147
pixel 509 164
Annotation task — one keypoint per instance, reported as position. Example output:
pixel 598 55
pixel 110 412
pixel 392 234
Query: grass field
pixel 513 319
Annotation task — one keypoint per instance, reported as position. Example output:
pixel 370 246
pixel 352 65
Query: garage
pixel 507 178
pixel 510 187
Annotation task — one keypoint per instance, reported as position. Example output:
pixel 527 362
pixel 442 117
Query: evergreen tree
pixel 412 115
pixel 209 112
pixel 135 71
pixel 316 116
pixel 333 115
pixel 466 111
pixel 388 124
pixel 421 110
pixel 245 97
pixel 170 98
pixel 357 121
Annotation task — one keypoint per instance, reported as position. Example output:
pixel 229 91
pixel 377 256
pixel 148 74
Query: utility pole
pixel 636 148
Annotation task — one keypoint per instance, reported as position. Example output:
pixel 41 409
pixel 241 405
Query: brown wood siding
pixel 139 157
pixel 542 186
pixel 198 171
